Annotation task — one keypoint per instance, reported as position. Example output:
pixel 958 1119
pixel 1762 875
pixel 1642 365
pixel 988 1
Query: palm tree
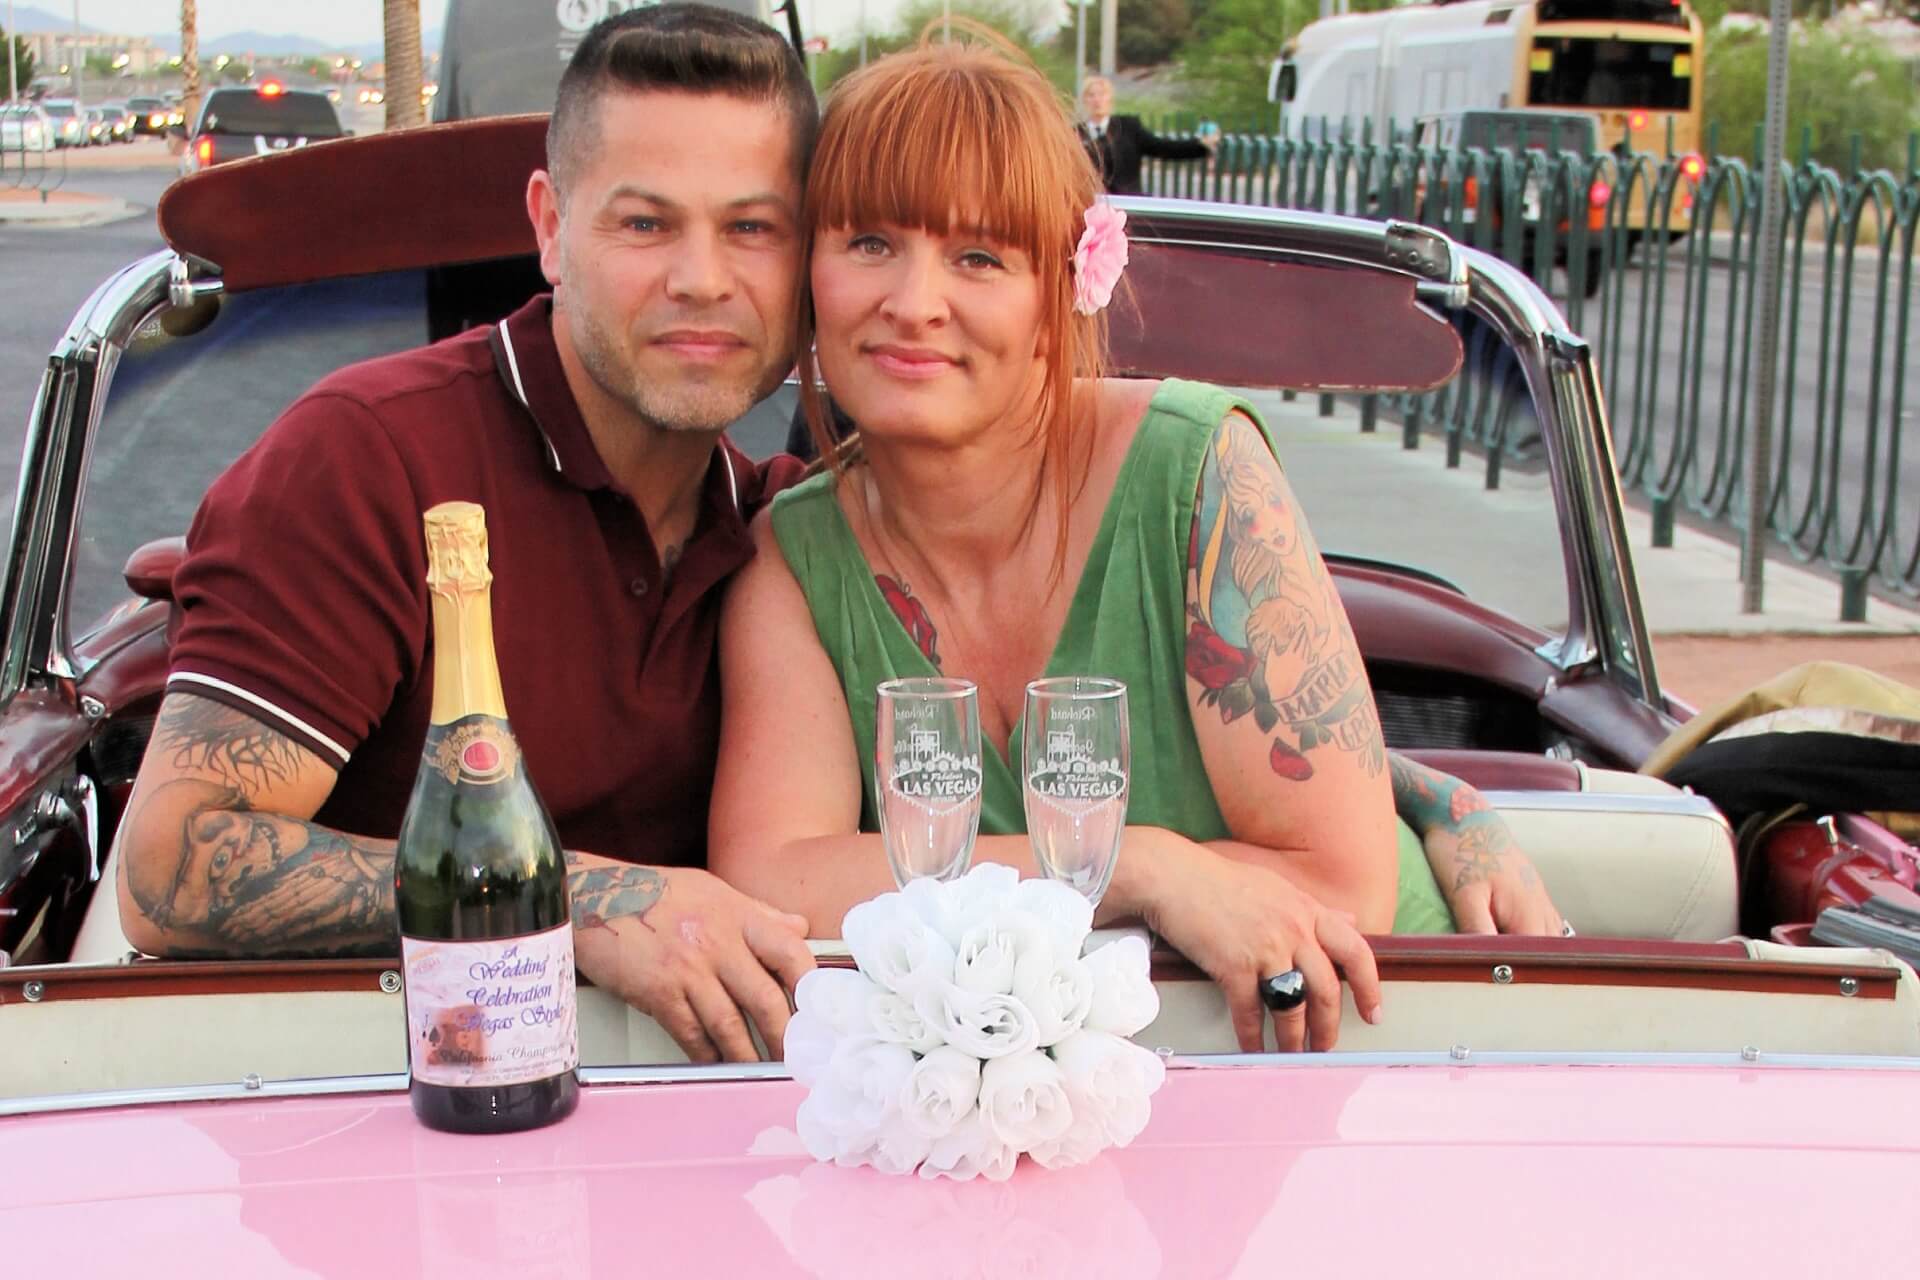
pixel 404 107
pixel 190 59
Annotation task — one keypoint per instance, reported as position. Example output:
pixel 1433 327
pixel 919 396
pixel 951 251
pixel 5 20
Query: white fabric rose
pixel 941 1091
pixel 851 1103
pixel 986 1026
pixel 893 947
pixel 950 907
pixel 1065 911
pixel 830 1005
pixel 1112 1080
pixel 970 1151
pixel 1124 1000
pixel 987 952
pixel 897 1020
pixel 1059 992
pixel 1024 1099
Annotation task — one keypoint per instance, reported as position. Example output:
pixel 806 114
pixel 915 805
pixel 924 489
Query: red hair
pixel 967 131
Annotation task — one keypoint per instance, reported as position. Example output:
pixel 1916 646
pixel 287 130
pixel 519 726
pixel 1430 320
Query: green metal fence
pixel 1653 257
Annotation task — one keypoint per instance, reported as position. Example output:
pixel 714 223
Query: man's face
pixel 675 255
pixel 1097 97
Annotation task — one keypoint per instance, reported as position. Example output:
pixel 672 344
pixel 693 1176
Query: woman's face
pixel 927 337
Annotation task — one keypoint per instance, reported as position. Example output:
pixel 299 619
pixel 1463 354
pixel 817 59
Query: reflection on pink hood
pixel 1271 1170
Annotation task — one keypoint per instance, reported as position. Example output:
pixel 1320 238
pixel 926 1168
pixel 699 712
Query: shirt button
pixel 638 587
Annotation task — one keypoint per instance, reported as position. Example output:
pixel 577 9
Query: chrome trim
pixel 1679 804
pixel 53 469
pixel 1745 1059
pixel 1455 1058
pixel 1605 622
pixel 237 1089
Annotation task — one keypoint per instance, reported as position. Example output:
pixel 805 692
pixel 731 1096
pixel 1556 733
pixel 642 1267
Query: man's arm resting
pixel 220 856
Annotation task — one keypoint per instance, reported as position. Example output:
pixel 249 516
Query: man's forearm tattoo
pixel 247 883
pixel 603 895
pixel 1267 636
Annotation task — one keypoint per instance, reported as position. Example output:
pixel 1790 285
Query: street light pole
pixel 1773 146
pixel 1109 37
pixel 1079 47
pixel 79 62
pixel 13 56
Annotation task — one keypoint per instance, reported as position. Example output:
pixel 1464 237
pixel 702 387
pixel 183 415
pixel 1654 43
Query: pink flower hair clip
pixel 1099 258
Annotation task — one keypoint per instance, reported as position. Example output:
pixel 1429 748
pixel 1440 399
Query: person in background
pixel 1117 144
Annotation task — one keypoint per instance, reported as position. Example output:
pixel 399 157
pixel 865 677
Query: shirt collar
pixel 528 362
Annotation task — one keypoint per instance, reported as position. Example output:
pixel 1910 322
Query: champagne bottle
pixel 480 883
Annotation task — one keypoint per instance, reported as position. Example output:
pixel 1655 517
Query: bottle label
pixel 491 1013
pixel 476 749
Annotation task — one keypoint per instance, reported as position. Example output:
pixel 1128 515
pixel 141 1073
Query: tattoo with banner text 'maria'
pixel 1266 636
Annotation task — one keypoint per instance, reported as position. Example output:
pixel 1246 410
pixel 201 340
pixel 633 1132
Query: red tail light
pixel 1599 193
pixel 203 151
pixel 1693 167
pixel 1638 120
pixel 272 89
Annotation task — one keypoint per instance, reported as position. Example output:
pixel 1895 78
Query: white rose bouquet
pixel 974 1032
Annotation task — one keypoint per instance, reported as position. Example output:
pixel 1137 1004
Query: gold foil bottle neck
pixel 457 548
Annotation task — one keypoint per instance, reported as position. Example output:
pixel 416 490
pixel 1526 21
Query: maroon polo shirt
pixel 303 594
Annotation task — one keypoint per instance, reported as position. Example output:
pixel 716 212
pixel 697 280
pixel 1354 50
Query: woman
pixel 1012 513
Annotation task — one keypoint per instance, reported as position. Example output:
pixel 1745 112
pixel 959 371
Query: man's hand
pixel 1242 923
pixel 691 952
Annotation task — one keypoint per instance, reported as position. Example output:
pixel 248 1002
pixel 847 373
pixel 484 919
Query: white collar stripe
pixel 255 700
pixel 520 389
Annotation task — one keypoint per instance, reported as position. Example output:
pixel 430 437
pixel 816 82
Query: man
pixel 588 424
pixel 1117 143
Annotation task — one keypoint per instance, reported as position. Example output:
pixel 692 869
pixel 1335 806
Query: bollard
pixel 1326 406
pixel 1289 395
pixel 1369 414
pixel 1663 521
pixel 1410 425
pixel 1853 595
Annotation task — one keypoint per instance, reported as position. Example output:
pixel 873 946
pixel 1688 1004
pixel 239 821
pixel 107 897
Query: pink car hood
pixel 1270 1170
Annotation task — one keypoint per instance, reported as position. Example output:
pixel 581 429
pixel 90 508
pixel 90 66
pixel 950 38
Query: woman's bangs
pixel 933 155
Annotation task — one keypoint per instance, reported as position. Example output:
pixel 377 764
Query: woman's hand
pixel 1489 884
pixel 1242 923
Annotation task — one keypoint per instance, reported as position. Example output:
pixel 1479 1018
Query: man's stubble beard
pixel 691 404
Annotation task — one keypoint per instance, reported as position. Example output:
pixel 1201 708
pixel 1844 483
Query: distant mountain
pixel 286 46
pixel 38 21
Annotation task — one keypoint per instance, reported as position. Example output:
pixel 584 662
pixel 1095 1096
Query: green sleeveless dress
pixel 1127 620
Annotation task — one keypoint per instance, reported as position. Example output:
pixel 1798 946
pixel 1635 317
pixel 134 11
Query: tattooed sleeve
pixel 218 873
pixel 1267 637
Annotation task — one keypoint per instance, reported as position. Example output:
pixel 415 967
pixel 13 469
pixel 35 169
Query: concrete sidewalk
pixel 62 208
pixel 1364 494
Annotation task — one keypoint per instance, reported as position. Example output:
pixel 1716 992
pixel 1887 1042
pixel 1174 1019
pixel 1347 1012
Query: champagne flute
pixel 927 775
pixel 1074 763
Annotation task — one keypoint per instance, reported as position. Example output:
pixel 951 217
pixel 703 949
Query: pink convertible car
pixel 1688 1087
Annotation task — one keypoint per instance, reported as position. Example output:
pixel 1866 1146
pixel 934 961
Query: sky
pixel 330 21
pixel 352 22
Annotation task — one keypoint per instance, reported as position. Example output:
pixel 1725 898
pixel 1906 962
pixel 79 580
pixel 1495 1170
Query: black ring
pixel 1284 992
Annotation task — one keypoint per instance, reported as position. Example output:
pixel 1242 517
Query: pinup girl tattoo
pixel 1267 636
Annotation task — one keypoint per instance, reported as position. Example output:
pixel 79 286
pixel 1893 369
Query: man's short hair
pixel 680 48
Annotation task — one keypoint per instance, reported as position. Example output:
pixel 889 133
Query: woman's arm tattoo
pixel 1267 636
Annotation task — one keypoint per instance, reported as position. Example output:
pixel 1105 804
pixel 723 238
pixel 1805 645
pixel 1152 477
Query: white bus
pixel 1634 64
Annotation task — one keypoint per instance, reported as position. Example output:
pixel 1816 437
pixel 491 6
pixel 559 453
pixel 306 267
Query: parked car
pixel 258 120
pixel 1669 1091
pixel 69 121
pixel 25 127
